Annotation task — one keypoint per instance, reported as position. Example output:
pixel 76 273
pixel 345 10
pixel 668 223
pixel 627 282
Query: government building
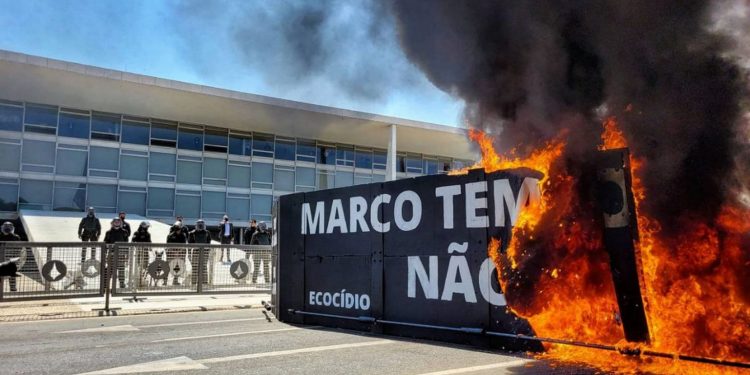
pixel 73 136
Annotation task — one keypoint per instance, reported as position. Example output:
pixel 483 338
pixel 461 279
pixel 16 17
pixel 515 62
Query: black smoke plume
pixel 532 68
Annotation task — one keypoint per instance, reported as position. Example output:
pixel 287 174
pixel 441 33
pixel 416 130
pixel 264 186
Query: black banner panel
pixel 406 257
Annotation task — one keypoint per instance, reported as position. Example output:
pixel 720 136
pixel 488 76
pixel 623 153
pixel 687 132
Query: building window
pixel 8 194
pixel 345 155
pixel 305 179
pixel 190 139
pixel 160 202
pixel 188 203
pixel 11 118
pixel 71 160
pixel 104 162
pixel 134 165
pixel 327 155
pixel 11 158
pixel 161 167
pixel 360 179
pixel 263 145
pixel 285 149
pixel 363 159
pixel 135 132
pixel 216 140
pixel 132 200
pixel 413 163
pixel 240 144
pixel 214 204
pixel 261 207
pixel 163 134
pixel 35 195
pixel 262 175
pixel 69 196
pixel 306 151
pixel 41 118
pixel 189 170
pixel 238 209
pixel 239 175
pixel 105 126
pixel 378 177
pixel 325 179
pixel 283 178
pixel 400 163
pixel 344 178
pixel 74 124
pixel 379 160
pixel 102 197
pixel 444 165
pixel 430 166
pixel 38 156
pixel 214 171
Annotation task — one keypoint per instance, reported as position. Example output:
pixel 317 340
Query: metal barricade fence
pixel 53 270
pixel 158 269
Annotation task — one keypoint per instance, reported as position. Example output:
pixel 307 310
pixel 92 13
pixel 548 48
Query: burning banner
pixel 666 81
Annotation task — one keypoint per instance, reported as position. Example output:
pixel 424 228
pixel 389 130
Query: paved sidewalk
pixel 85 307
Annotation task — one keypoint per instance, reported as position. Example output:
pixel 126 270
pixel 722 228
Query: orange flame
pixel 692 284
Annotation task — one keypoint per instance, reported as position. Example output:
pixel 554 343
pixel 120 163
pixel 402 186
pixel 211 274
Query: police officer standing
pixel 226 234
pixel 125 225
pixel 199 235
pixel 118 234
pixel 88 231
pixel 248 235
pixel 176 235
pixel 261 237
pixel 142 235
pixel 8 235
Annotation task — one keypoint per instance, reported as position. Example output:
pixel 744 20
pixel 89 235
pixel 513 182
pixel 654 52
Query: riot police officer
pixel 118 234
pixel 261 237
pixel 199 235
pixel 142 235
pixel 8 235
pixel 88 231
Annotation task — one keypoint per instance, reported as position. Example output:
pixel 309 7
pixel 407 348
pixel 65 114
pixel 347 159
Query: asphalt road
pixel 233 342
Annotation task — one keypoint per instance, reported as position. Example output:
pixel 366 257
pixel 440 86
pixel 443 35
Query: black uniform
pixel 261 238
pixel 142 236
pixel 10 237
pixel 125 226
pixel 89 230
pixel 118 235
pixel 199 237
pixel 248 235
pixel 176 235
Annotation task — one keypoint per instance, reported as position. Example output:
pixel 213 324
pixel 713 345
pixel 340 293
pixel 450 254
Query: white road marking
pixel 172 364
pixel 464 370
pixel 293 351
pixel 185 363
pixel 199 322
pixel 227 334
pixel 122 328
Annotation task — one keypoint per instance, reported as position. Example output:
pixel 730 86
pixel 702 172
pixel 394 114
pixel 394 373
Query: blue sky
pixel 334 52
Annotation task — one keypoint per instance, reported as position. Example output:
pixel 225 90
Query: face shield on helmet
pixel 200 225
pixel 116 222
pixel 8 228
pixel 91 211
pixel 144 225
pixel 262 226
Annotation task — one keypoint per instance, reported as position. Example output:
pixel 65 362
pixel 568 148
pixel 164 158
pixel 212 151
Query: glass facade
pixel 161 168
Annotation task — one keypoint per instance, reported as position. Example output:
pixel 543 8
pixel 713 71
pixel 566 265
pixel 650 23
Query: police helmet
pixel 8 228
pixel 200 224
pixel 262 226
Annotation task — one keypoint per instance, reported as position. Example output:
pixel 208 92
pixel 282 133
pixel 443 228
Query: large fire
pixel 556 271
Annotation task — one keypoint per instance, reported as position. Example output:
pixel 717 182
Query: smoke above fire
pixel 531 69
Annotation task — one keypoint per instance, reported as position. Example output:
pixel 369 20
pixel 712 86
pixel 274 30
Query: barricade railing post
pixel 2 279
pixel 110 270
pixel 201 267
pixel 47 283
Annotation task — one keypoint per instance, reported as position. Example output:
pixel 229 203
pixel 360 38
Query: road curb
pixel 94 314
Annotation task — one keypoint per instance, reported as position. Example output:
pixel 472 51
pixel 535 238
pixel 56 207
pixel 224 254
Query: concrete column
pixel 390 169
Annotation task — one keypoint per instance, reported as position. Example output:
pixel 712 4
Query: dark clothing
pixel 199 237
pixel 226 239
pixel 126 227
pixel 176 236
pixel 90 228
pixel 141 236
pixel 260 238
pixel 118 235
pixel 185 231
pixel 10 237
pixel 248 235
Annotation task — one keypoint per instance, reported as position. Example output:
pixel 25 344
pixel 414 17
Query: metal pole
pixel 201 265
